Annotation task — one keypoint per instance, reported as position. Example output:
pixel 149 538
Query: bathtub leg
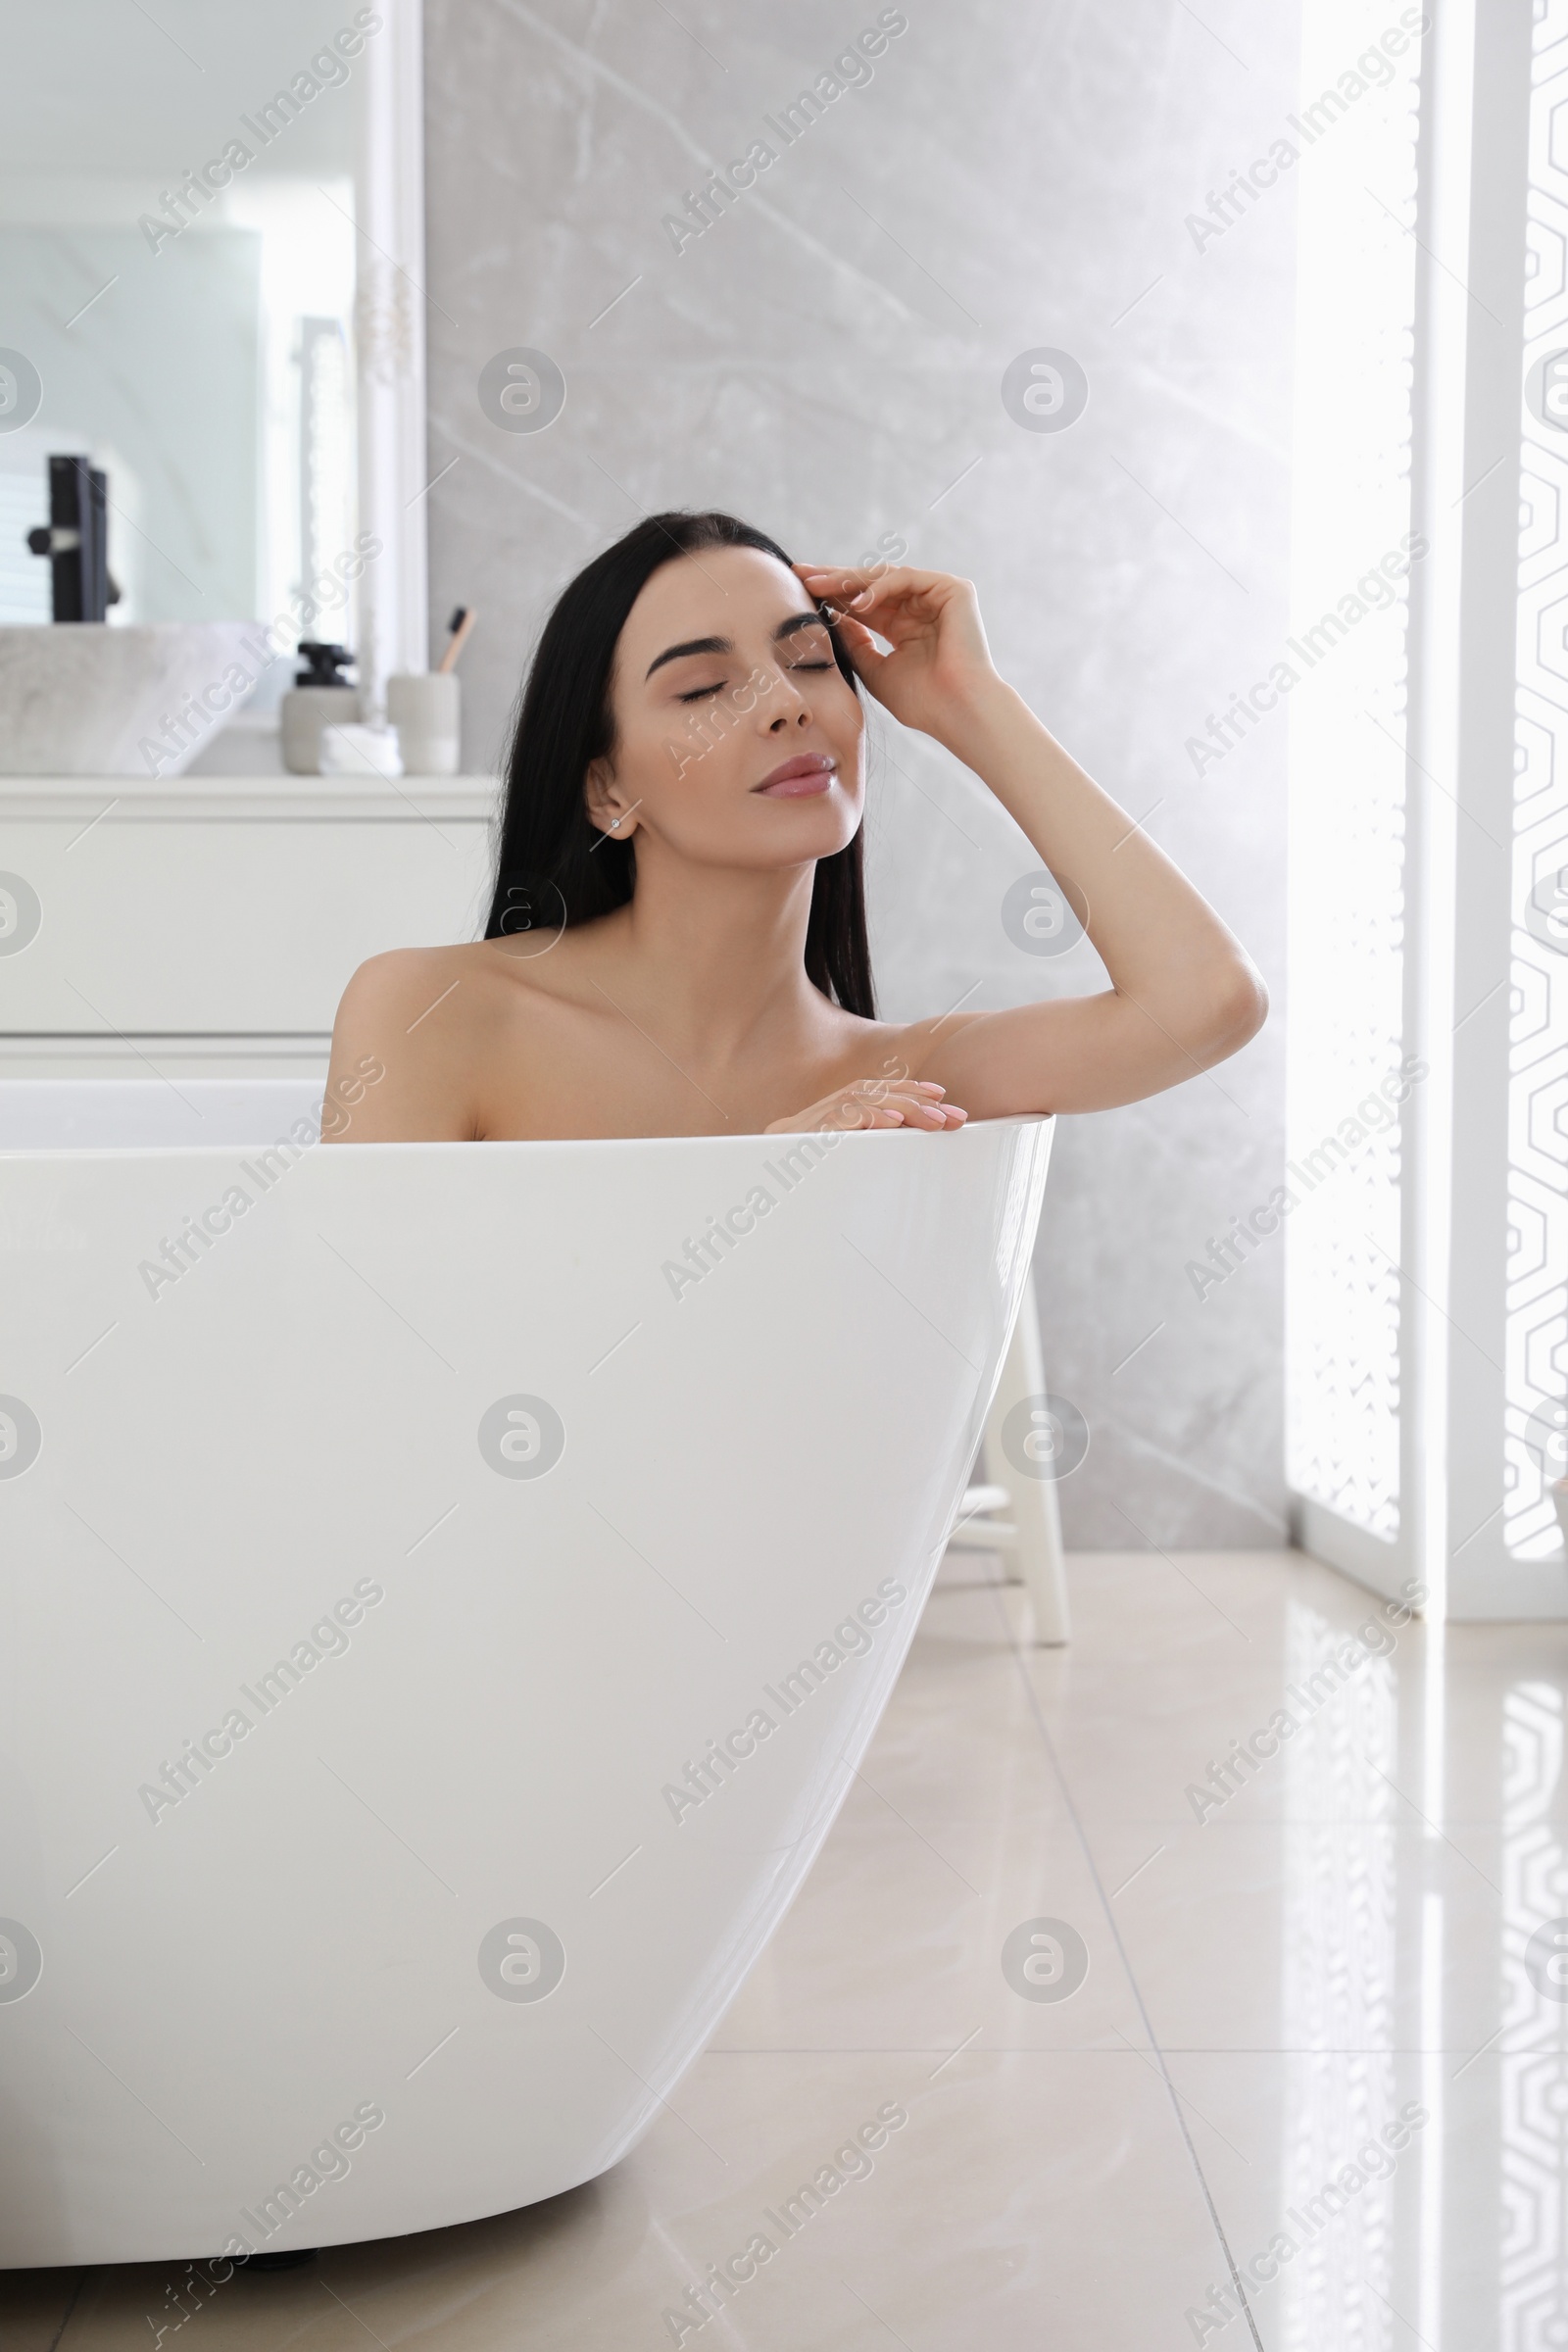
pixel 1035 1519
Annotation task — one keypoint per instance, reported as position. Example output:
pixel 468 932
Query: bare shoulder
pixel 410 1032
pixel 393 983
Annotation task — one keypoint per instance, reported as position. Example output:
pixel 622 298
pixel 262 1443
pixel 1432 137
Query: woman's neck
pixel 713 956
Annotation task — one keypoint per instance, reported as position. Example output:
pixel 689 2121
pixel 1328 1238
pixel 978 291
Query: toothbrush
pixel 461 622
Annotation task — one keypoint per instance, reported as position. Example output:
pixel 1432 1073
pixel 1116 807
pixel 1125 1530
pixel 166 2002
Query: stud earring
pixel 615 823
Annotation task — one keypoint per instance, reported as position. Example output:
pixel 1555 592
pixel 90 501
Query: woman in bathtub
pixel 677 943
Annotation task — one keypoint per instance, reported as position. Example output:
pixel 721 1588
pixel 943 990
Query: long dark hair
pixel 550 854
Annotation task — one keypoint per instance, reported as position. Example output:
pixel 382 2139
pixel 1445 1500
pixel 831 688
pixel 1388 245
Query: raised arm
pixel 1183 993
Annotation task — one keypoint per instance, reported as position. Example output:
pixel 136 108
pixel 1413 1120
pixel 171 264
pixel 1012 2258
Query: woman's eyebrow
pixel 725 645
pixel 693 645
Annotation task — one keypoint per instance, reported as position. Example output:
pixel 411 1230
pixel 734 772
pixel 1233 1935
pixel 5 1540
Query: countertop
pixel 249 800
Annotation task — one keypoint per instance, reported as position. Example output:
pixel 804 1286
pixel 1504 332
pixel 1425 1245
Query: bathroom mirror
pixel 211 276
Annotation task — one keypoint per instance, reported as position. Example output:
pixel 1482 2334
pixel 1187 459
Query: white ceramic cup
pixel 426 709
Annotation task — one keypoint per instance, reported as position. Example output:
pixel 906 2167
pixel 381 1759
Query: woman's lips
pixel 812 772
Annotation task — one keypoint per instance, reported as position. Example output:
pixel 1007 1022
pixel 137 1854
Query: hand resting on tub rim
pixel 676 943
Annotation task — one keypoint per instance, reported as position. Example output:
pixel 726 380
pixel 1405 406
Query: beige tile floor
pixel 1344 1937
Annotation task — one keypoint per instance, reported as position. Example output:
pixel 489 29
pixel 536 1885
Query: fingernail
pixel 929 1085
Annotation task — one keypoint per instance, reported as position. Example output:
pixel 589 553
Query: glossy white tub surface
pixel 210 1475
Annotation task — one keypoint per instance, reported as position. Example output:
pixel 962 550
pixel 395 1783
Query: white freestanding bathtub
pixel 439 1621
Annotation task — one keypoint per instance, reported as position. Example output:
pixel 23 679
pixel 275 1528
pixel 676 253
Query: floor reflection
pixel 1340 2097
pixel 1533 2081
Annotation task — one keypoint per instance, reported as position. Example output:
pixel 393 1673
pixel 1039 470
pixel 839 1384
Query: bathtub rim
pixel 77 1152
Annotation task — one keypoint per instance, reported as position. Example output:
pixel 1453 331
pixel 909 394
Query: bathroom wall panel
pixel 826 356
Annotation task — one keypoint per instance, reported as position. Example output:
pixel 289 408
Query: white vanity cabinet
pixel 208 925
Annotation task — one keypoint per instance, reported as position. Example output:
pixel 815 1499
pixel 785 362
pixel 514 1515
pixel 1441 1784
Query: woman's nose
pixel 791 710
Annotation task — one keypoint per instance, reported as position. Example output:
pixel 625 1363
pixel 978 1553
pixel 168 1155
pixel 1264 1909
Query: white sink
pixel 85 698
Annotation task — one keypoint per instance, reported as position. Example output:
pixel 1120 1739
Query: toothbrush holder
pixel 426 709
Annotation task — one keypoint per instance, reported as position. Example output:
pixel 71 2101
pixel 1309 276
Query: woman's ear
pixel 606 805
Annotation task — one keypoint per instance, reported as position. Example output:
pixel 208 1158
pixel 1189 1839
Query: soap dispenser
pixel 320 696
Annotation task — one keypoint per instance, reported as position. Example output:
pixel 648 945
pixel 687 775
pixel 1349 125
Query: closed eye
pixel 700 694
pixel 823 664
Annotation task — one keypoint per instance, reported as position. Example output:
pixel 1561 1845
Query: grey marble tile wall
pixel 826 354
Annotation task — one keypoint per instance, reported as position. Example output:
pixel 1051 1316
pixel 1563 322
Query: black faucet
pixel 76 541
